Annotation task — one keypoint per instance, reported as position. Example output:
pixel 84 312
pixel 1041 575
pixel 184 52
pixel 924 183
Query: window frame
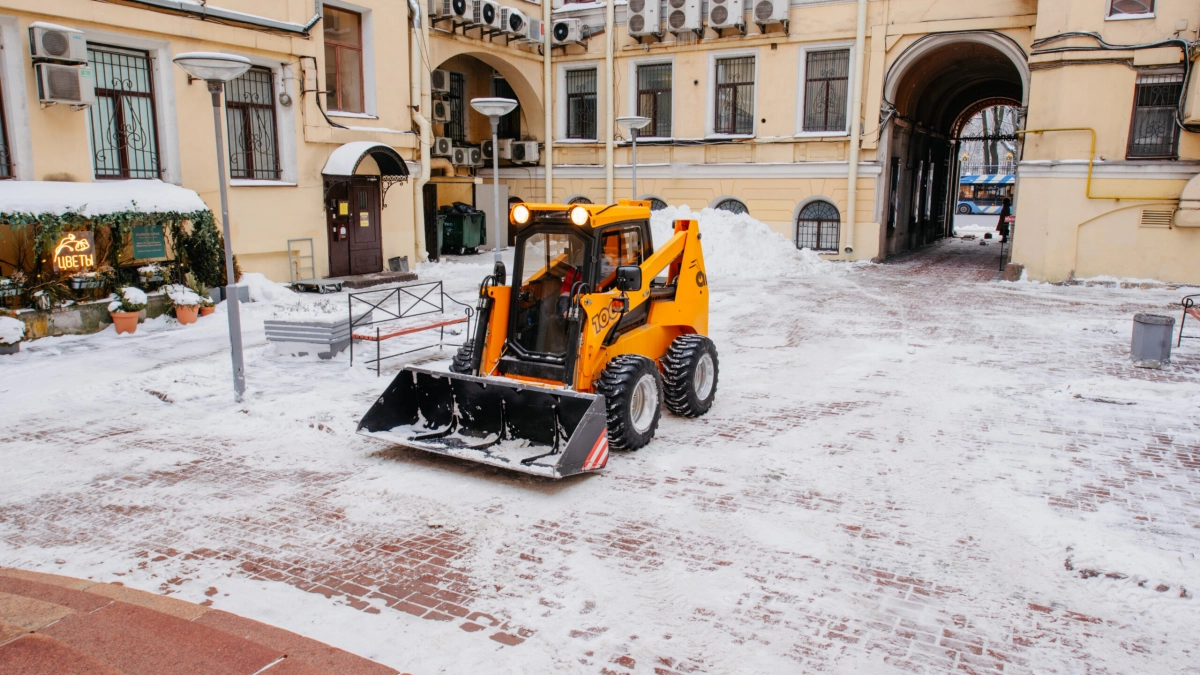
pixel 362 70
pixel 247 121
pixel 711 102
pixel 802 87
pixel 796 225
pixel 510 124
pixel 1133 117
pixel 1124 16
pixel 451 98
pixel 566 102
pixel 634 93
pixel 716 204
pixel 118 96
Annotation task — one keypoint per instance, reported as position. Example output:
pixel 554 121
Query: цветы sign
pixel 75 252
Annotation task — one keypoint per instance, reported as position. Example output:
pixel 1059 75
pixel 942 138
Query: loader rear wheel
pixel 462 360
pixel 690 375
pixel 633 391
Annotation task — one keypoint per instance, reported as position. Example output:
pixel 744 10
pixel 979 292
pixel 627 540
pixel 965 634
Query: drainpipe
pixel 548 94
pixel 610 11
pixel 860 39
pixel 418 97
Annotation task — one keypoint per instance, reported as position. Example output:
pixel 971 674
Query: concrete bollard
pixel 1152 334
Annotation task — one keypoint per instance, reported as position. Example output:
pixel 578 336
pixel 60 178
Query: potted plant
pixel 12 331
pixel 86 281
pixel 12 286
pixel 186 302
pixel 125 309
pixel 206 304
pixel 151 275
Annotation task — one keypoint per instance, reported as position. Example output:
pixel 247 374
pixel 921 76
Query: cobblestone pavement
pixel 912 469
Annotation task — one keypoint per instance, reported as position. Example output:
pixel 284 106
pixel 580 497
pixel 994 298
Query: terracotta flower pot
pixel 187 315
pixel 125 322
pixel 205 311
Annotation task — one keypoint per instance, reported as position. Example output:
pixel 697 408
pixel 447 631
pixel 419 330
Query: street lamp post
pixel 217 69
pixel 634 124
pixel 494 109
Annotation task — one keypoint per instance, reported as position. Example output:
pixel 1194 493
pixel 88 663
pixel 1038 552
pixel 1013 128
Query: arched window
pixel 732 205
pixel 818 227
pixel 579 199
pixel 657 204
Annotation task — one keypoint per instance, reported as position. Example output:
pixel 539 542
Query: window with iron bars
pixel 456 128
pixel 6 167
pixel 510 124
pixel 826 76
pixel 250 116
pixel 734 96
pixel 124 130
pixel 732 205
pixel 654 98
pixel 818 227
pixel 1130 7
pixel 1154 133
pixel 581 104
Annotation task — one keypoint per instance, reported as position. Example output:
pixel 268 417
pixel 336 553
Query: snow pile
pixel 263 289
pixel 132 299
pixel 11 330
pixel 182 296
pixel 96 199
pixel 736 245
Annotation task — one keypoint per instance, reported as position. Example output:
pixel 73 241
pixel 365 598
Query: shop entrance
pixel 355 237
pixel 939 83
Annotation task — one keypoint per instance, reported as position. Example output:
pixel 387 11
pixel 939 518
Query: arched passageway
pixel 931 91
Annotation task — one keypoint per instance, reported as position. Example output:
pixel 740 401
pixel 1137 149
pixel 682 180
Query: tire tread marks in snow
pixel 616 385
pixel 679 369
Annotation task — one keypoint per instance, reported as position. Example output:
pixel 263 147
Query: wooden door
pixel 366 241
pixel 337 210
pixel 430 195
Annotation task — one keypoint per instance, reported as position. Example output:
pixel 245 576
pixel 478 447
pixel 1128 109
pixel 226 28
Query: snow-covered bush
pixel 129 299
pixel 182 296
pixel 11 331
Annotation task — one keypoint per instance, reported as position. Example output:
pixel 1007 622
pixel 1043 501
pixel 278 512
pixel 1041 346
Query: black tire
pixel 688 355
pixel 618 384
pixel 964 209
pixel 462 360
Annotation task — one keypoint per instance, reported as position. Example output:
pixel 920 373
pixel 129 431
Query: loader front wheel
pixel 690 375
pixel 462 360
pixel 633 391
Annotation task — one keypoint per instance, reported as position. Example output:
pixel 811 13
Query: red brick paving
pixel 40 655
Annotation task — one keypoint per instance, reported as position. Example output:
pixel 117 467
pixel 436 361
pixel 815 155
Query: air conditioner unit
pixel 684 15
pixel 441 111
pixel 568 31
pixel 726 14
pixel 461 11
pixel 770 11
pixel 487 13
pixel 57 43
pixel 513 22
pixel 442 147
pixel 524 152
pixel 643 17
pixel 439 81
pixel 505 149
pixel 440 9
pixel 72 85
pixel 461 157
pixel 536 33
pixel 474 156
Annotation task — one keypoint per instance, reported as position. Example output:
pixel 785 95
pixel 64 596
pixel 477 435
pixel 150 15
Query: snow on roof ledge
pixel 96 199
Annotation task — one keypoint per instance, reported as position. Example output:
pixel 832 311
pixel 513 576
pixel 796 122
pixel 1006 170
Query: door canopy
pixel 344 161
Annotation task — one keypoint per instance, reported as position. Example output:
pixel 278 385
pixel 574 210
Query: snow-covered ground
pixel 907 470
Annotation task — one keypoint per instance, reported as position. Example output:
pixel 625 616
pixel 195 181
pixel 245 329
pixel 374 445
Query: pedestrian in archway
pixel 1005 212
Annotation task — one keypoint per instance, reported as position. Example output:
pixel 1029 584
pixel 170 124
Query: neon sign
pixel 75 252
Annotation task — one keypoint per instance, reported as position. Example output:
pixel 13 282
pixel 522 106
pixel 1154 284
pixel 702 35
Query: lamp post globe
pixel 494 108
pixel 216 69
pixel 634 124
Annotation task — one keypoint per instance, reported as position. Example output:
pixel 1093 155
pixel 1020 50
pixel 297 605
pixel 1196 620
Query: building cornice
pixel 721 170
pixel 1131 169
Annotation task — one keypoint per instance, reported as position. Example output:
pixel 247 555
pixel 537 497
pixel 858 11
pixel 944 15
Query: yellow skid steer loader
pixel 573 358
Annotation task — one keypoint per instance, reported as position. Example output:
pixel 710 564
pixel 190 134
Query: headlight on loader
pixel 520 214
pixel 579 216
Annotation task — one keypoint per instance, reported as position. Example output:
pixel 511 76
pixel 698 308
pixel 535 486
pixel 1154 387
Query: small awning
pixel 345 160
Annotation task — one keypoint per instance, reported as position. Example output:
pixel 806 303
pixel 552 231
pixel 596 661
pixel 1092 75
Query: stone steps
pixel 54 624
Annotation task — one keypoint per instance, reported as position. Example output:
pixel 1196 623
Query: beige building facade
pixel 765 115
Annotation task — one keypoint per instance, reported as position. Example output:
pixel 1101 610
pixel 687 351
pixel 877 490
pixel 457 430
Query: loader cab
pixel 554 261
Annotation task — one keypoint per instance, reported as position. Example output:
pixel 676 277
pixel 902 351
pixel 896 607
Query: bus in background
pixel 982 194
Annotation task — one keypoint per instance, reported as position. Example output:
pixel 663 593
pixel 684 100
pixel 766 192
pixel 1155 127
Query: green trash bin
pixel 462 233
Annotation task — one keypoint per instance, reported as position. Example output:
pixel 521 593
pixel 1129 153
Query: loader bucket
pixel 527 428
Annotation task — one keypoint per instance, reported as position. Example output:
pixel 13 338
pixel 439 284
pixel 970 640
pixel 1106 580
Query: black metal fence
pixel 389 313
